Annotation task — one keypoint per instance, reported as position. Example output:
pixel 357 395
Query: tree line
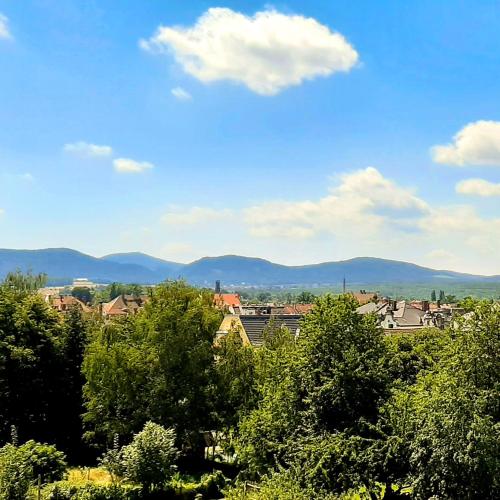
pixel 338 410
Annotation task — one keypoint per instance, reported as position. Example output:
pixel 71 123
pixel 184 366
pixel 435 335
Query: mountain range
pixel 62 265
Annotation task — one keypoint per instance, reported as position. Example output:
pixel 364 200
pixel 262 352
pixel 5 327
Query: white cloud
pixel 195 215
pixel 129 166
pixel 181 94
pixel 363 203
pixel 2 211
pixel 4 28
pixel 86 149
pixel 478 187
pixel 267 52
pixel 477 143
pixel 461 226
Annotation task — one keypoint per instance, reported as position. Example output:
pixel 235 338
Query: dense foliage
pixel 337 411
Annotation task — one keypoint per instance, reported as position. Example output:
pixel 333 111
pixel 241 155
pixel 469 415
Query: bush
pixel 209 486
pixel 149 458
pixel 44 460
pixel 15 474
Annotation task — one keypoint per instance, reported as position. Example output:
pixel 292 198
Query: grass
pixel 93 474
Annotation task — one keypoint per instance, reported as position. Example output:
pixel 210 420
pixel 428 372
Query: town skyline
pixel 123 131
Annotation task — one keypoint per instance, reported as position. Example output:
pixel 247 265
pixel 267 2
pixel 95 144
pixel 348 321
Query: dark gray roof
pixel 255 325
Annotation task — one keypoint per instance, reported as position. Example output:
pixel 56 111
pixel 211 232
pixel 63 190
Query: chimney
pixel 217 286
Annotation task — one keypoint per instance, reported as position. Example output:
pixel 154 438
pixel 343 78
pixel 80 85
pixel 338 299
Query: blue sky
pixel 301 131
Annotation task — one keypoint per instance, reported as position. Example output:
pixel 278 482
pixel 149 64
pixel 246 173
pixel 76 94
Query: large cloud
pixel 478 187
pixel 477 143
pixel 4 28
pixel 267 52
pixel 363 203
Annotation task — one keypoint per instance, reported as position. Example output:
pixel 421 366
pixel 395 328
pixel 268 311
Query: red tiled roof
pixel 227 300
pixel 298 309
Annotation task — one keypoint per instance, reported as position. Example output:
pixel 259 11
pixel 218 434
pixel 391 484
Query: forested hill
pixel 62 265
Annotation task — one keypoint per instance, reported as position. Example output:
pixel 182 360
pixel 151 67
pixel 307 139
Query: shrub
pixel 44 460
pixel 15 474
pixel 149 458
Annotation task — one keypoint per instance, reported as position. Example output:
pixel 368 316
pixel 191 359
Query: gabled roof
pixel 63 303
pixel 227 300
pixel 123 305
pixel 254 326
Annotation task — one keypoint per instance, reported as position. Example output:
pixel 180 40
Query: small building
pixel 228 302
pixel 64 303
pixel 123 305
pixel 83 283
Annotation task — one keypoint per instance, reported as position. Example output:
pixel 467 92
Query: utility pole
pixel 343 286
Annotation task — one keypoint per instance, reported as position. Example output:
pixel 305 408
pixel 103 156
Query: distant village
pixel 252 319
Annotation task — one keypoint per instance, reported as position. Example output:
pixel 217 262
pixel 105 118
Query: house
pixel 406 317
pixel 123 305
pixel 63 303
pixel 252 328
pixel 229 302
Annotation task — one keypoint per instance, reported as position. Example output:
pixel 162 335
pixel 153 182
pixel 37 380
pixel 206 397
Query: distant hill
pixel 232 269
pixel 63 265
pixel 166 267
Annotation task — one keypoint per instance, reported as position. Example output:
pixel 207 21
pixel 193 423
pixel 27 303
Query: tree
pixel 433 296
pixel 74 342
pixel 235 390
pixel 149 459
pixel 448 423
pixel 306 297
pixel 31 363
pixel 319 398
pixel 157 365
pixel 442 296
pixel 343 372
pixel 82 293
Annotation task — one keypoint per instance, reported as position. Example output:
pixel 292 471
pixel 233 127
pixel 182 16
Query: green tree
pixel 305 297
pixel 319 398
pixel 235 390
pixel 31 363
pixel 343 371
pixel 82 293
pixel 433 296
pixel 157 365
pixel 448 423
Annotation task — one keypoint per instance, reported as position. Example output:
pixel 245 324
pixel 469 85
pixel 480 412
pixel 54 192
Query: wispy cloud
pixel 129 166
pixel 86 149
pixel 267 52
pixel 5 33
pixel 181 94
